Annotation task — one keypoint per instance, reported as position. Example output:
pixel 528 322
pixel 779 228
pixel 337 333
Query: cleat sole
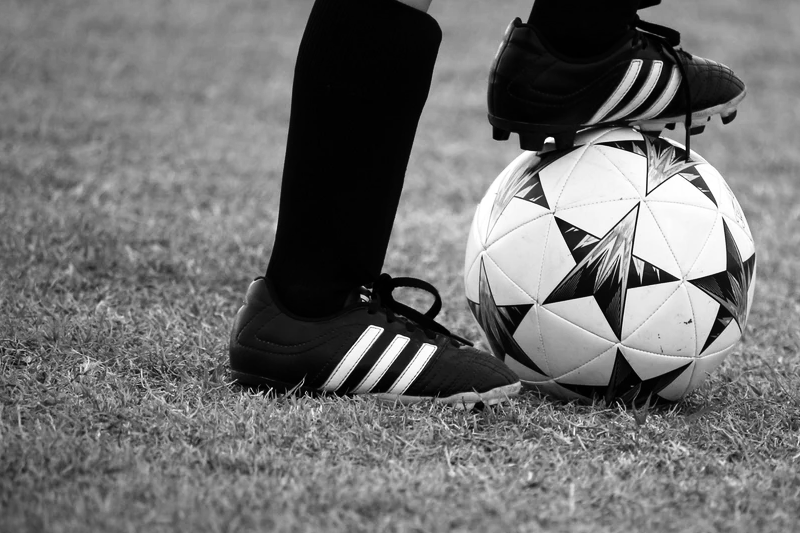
pixel 728 118
pixel 726 111
pixel 564 140
pixel 532 142
pixel 499 134
pixel 461 400
pixel 532 137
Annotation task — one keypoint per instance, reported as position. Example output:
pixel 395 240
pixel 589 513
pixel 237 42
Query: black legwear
pixel 361 80
pixel 584 28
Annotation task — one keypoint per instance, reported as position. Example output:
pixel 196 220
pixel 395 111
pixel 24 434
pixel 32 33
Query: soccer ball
pixel 617 270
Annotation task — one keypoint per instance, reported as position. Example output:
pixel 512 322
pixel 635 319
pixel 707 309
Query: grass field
pixel 141 144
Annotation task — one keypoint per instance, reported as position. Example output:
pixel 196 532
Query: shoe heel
pixel 499 134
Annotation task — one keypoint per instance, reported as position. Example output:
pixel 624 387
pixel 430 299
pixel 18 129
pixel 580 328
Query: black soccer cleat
pixel 646 83
pixel 367 348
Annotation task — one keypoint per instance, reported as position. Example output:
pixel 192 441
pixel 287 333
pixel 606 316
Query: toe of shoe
pixel 463 370
pixel 712 83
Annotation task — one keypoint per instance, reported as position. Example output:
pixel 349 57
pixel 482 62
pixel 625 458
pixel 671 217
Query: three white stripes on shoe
pixel 654 75
pixel 360 348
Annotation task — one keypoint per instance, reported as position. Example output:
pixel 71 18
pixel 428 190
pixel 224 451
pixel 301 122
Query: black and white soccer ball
pixel 614 270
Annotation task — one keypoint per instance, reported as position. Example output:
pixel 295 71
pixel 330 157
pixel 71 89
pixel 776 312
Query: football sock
pixel 584 28
pixel 362 77
pixel 422 5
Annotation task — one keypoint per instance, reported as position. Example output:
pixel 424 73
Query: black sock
pixel 362 76
pixel 584 28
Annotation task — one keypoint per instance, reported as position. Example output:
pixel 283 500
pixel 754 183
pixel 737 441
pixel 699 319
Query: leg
pixel 421 5
pixel 355 109
pixel 580 28
pixel 362 77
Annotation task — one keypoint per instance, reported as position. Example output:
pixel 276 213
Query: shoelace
pixel 381 299
pixel 669 39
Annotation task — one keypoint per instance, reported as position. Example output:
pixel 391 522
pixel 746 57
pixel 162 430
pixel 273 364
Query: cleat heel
pixel 499 134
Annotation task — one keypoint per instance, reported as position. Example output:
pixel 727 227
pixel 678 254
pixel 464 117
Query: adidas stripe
pixel 359 351
pixel 413 370
pixel 352 357
pixel 619 93
pixel 665 98
pixel 622 105
pixel 384 362
pixel 643 94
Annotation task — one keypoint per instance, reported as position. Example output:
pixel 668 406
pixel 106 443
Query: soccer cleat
pixel 645 83
pixel 375 345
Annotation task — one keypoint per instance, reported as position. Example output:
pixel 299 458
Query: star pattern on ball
pixel 729 288
pixel 664 162
pixel 500 322
pixel 625 385
pixel 526 184
pixel 606 268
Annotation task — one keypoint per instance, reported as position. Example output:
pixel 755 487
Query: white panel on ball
pixel 648 365
pixel 651 245
pixel 705 314
pixel 677 389
pixel 598 182
pixel 711 258
pixel 584 314
pixel 517 213
pixel 523 251
pixel 686 228
pixel 529 336
pixel 672 330
pixel 504 290
pixel 596 372
pixel 568 346
pixel 643 302
pixel 680 190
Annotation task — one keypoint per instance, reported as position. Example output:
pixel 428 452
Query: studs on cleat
pixel 499 134
pixel 697 130
pixel 532 141
pixel 565 140
pixel 727 119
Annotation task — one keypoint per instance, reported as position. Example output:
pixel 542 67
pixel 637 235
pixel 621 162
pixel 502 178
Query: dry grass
pixel 140 153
